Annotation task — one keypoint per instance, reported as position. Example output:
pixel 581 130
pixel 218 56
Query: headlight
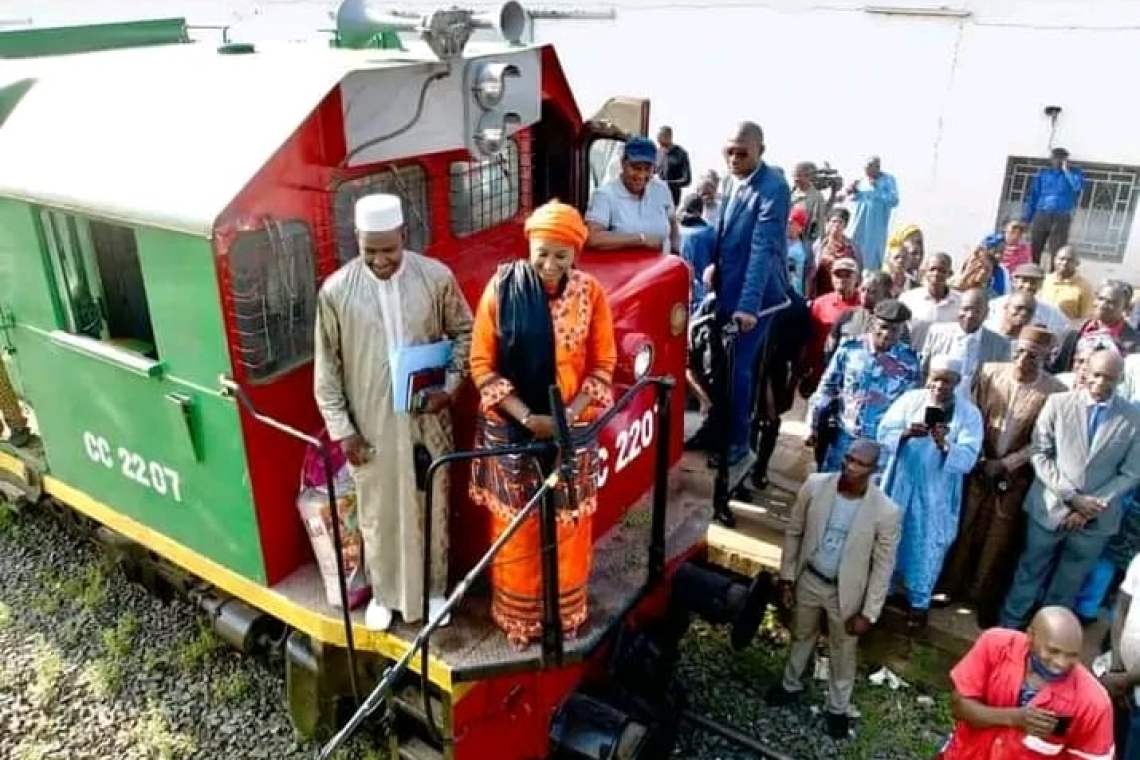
pixel 642 361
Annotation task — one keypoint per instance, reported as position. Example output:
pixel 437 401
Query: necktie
pixel 1096 412
pixel 734 200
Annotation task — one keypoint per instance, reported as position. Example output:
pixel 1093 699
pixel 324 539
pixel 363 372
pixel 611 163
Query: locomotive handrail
pixel 385 688
pixel 566 442
pixel 230 387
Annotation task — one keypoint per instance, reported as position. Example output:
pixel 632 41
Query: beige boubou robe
pixel 360 320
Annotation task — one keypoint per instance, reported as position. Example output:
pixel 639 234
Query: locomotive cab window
pixel 604 161
pixel 98 281
pixel 484 193
pixel 409 182
pixel 273 284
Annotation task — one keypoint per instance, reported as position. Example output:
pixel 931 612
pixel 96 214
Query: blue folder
pixel 408 360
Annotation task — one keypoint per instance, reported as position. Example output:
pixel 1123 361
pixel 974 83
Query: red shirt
pixel 993 671
pixel 1095 326
pixel 825 312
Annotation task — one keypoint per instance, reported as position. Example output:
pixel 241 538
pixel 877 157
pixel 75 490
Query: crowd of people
pixel 976 428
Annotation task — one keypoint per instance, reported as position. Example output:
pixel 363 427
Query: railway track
pixel 162 582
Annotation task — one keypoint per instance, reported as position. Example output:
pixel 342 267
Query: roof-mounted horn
pixel 446 31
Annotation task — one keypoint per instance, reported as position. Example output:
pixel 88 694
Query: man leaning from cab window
pixel 635 209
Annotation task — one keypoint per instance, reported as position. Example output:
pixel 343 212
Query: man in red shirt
pixel 1110 309
pixel 1023 696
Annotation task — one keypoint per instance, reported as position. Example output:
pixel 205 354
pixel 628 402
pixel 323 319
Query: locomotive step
pixel 409 702
pixel 417 749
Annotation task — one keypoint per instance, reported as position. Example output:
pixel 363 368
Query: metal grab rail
pixel 231 388
pixel 384 689
pixel 567 442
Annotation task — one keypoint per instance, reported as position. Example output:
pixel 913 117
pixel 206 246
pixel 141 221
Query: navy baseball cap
pixel 640 150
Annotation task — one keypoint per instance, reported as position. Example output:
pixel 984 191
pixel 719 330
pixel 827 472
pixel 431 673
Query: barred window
pixel 273 280
pixel 409 182
pixel 484 193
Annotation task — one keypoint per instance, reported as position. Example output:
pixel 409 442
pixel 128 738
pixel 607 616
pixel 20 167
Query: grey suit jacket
pixel 868 555
pixel 1065 464
pixel 940 339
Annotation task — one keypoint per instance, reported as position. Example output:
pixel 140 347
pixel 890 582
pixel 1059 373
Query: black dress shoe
pixel 838 726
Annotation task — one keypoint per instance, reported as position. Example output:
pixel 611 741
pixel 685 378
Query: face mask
pixel 1042 671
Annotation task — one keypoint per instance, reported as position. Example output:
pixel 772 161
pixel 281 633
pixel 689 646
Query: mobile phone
pixel 935 415
pixel 1062 726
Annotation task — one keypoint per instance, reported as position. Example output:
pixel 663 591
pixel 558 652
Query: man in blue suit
pixel 749 273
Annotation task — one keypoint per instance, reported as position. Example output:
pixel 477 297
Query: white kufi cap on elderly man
pixel 379 213
pixel 946 363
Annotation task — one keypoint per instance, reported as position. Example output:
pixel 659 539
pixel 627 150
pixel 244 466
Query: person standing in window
pixel 385 299
pixel 636 209
pixel 1054 193
pixel 672 164
pixel 540 323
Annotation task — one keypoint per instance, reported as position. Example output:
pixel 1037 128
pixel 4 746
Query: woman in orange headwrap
pixel 540 323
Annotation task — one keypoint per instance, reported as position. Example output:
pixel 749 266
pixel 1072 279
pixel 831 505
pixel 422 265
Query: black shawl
pixel 526 335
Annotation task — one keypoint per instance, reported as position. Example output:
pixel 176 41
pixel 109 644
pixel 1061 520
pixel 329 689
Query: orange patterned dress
pixel 584 358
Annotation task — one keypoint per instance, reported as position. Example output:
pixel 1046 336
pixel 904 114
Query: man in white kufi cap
pixel 932 438
pixel 386 299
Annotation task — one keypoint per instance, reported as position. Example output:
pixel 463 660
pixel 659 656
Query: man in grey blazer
pixel 966 340
pixel 1086 459
pixel 839 553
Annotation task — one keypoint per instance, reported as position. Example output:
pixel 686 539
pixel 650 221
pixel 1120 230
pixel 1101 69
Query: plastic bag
pixel 313 504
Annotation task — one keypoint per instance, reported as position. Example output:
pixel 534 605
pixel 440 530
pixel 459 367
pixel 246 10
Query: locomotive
pixel 168 211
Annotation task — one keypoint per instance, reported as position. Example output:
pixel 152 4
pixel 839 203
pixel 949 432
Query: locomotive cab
pixel 168 213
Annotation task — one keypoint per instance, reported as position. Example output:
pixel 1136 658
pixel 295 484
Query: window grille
pixel 408 182
pixel 1103 219
pixel 484 193
pixel 274 286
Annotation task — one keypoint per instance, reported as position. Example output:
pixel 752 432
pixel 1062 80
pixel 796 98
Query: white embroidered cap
pixel 946 363
pixel 379 213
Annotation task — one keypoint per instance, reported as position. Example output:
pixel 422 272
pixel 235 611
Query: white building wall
pixel 944 100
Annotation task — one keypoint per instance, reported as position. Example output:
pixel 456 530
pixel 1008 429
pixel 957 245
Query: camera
pixel 827 179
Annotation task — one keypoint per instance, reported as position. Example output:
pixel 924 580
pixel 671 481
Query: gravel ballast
pixel 95 667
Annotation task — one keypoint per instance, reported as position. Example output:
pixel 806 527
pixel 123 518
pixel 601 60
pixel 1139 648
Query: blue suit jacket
pixel 751 251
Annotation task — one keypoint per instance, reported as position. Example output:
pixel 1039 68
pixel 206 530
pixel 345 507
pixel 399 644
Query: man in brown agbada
pixel 1010 396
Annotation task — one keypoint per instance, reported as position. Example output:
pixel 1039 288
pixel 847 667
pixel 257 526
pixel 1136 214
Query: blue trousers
pixel 748 346
pixel 1096 587
pixel 1128 734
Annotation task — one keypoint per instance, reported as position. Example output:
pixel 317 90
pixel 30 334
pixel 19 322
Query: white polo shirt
pixel 618 210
